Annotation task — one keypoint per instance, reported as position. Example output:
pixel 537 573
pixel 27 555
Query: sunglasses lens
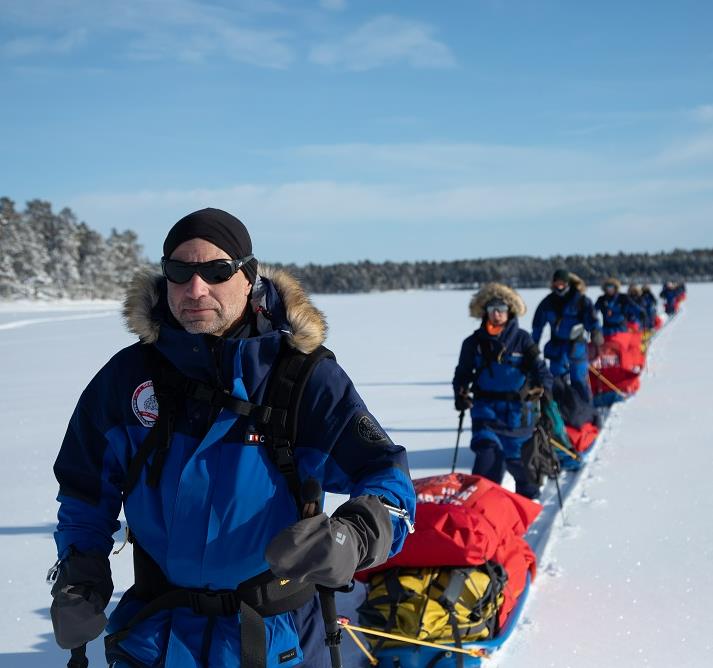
pixel 177 272
pixel 218 271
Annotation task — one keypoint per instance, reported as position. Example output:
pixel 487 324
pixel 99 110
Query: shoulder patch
pixel 145 404
pixel 369 431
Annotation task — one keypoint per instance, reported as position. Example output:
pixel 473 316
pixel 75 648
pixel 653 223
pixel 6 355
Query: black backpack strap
pixel 166 391
pixel 284 394
pixel 278 413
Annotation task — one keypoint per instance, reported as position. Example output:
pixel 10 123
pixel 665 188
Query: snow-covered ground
pixel 627 579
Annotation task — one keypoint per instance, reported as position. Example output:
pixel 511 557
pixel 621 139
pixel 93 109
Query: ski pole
pixel 460 429
pixel 79 657
pixel 311 498
pixel 608 383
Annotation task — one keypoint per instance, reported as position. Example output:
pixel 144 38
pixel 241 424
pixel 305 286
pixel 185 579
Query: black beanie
pixel 560 275
pixel 218 227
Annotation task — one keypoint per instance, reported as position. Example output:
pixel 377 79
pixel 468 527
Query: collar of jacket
pixel 506 336
pixel 281 307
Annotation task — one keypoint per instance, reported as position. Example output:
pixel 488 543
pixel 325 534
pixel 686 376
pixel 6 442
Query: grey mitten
pixel 597 337
pixel 80 594
pixel 328 550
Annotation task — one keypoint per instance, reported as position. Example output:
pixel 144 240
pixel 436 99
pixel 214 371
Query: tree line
pixel 49 255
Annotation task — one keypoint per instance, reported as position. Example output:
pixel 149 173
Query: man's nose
pixel 196 287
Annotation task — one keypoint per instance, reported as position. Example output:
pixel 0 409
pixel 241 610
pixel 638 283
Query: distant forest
pixel 46 255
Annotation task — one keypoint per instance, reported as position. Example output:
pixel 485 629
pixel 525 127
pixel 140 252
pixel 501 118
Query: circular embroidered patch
pixel 144 404
pixel 369 431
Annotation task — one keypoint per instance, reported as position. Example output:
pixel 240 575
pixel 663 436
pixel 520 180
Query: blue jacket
pixel 562 313
pixel 502 365
pixel 220 500
pixel 617 311
pixel 670 296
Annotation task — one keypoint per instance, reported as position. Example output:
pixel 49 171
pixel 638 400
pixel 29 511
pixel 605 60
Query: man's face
pixel 200 307
pixel 560 287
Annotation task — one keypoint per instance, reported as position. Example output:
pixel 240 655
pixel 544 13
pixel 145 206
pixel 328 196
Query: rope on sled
pixel 565 449
pixel 608 383
pixel 350 628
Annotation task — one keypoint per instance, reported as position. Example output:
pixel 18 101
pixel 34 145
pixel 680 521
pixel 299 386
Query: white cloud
pixel 696 150
pixel 23 47
pixel 385 40
pixel 187 30
pixel 703 113
pixel 333 5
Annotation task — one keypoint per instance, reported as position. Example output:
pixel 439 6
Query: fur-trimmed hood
pixel 613 281
pixel 492 291
pixel 577 283
pixel 304 323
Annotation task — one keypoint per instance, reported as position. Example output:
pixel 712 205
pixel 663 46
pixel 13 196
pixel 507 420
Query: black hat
pixel 218 227
pixel 560 275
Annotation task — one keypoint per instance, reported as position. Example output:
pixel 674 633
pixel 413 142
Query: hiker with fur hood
pixel 617 309
pixel 502 367
pixel 189 429
pixel 570 314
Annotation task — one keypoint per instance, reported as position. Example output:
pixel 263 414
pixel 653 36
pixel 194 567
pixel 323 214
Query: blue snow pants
pixel 491 463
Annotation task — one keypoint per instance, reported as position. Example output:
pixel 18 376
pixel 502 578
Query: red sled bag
pixel 582 438
pixel 627 347
pixel 620 361
pixel 466 520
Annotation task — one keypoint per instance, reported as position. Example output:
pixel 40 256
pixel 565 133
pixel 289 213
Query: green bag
pixel 446 605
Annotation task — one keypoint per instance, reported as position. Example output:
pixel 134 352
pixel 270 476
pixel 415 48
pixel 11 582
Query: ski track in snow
pixel 16 324
pixel 625 579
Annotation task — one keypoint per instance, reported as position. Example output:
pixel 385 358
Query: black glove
pixel 463 401
pixel 328 550
pixel 80 593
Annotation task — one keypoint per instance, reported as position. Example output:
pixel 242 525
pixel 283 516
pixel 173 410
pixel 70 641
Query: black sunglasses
pixel 215 271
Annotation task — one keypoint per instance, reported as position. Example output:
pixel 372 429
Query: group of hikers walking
pixel 504 382
pixel 220 429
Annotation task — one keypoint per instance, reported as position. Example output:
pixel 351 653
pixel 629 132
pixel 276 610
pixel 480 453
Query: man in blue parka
pixel 222 507
pixel 570 314
pixel 617 309
pixel 502 367
pixel 671 294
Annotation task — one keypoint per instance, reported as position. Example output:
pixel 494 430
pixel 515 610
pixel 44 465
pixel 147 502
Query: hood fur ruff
pixel 496 291
pixel 576 283
pixel 614 281
pixel 308 324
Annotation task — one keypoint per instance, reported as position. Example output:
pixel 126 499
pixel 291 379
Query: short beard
pixel 224 319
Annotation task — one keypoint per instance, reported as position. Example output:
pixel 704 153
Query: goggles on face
pixel 497 308
pixel 610 286
pixel 215 271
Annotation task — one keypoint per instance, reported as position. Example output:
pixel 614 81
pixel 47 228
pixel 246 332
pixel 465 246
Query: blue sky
pixel 341 130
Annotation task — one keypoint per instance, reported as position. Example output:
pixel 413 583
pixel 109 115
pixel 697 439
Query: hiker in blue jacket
pixel 671 295
pixel 639 316
pixel 220 497
pixel 617 309
pixel 502 367
pixel 649 303
pixel 570 314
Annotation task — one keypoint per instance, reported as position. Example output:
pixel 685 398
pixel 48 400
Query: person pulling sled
pixel 502 367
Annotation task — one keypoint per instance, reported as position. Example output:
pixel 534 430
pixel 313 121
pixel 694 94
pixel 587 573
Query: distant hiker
pixel 638 319
pixel 502 366
pixel 672 294
pixel 617 309
pixel 649 303
pixel 570 314
pixel 218 431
